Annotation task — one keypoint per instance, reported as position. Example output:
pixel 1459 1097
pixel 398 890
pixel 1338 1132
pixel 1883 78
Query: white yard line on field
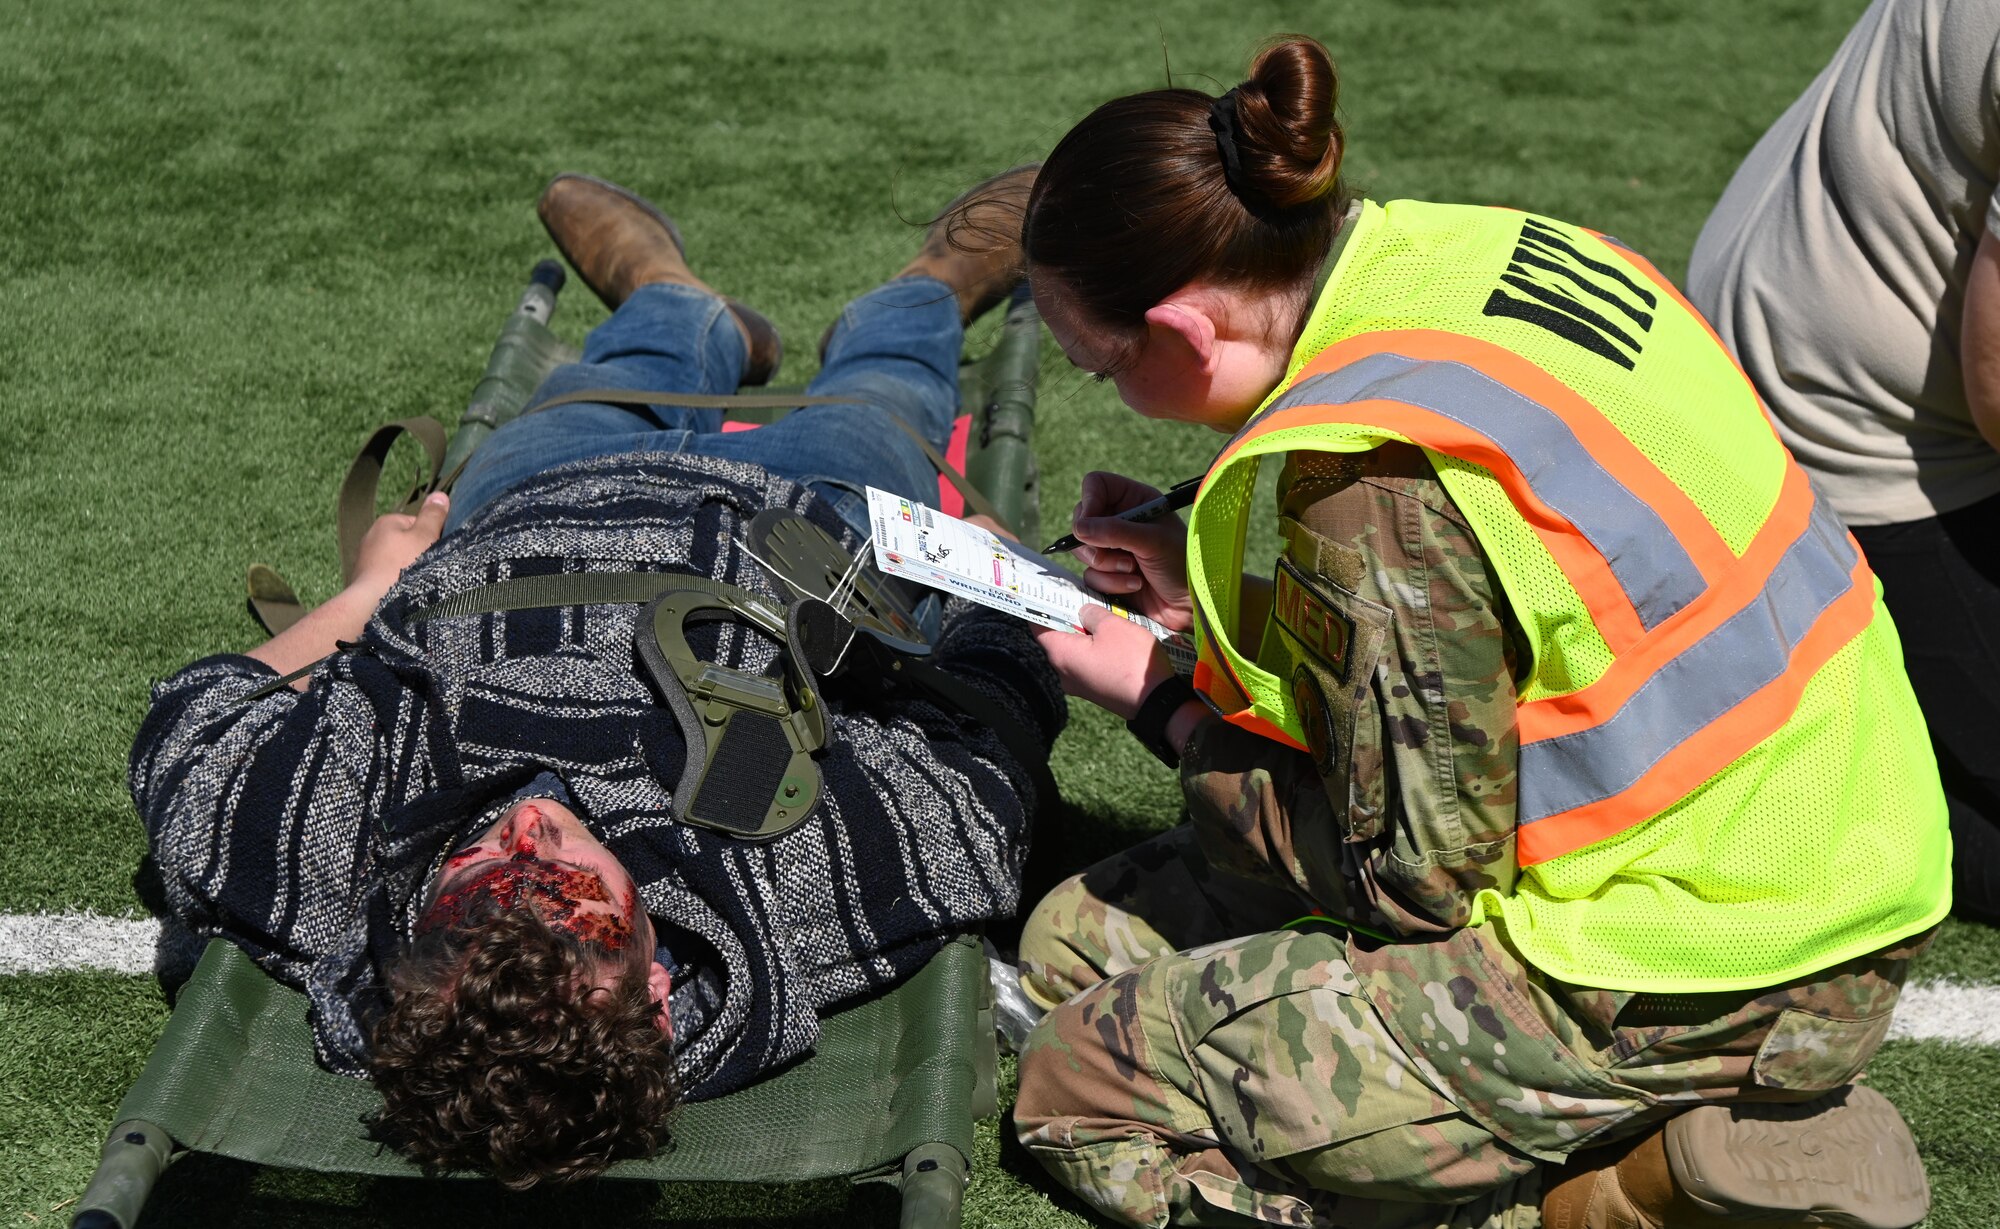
pixel 59 942
pixel 1948 1011
pixel 56 942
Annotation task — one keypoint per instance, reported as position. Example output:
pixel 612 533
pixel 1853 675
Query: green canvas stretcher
pixel 890 1093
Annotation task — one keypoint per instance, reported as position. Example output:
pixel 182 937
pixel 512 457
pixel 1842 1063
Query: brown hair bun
pixel 1289 141
pixel 1138 200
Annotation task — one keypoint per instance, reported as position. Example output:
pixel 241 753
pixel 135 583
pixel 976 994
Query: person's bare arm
pixel 221 763
pixel 392 544
pixel 1979 339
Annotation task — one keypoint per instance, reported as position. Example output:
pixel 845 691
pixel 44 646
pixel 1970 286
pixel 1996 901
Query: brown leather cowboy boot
pixel 1845 1161
pixel 617 241
pixel 974 246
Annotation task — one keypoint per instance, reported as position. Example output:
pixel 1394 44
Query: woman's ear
pixel 1181 322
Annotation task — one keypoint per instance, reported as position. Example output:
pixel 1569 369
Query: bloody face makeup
pixel 539 856
pixel 558 894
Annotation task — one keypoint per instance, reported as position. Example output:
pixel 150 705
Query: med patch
pixel 1319 628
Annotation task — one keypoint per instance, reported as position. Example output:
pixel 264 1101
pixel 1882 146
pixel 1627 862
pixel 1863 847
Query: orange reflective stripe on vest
pixel 1212 673
pixel 1701 709
pixel 1713 651
pixel 1632 543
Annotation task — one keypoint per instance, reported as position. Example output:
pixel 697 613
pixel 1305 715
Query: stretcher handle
pixel 134 1154
pixel 934 1177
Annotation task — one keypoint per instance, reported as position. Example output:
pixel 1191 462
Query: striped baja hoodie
pixel 304 826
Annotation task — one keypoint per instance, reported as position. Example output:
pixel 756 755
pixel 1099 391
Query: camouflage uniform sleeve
pixel 1405 809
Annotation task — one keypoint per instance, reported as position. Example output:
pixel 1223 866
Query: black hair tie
pixel 1222 121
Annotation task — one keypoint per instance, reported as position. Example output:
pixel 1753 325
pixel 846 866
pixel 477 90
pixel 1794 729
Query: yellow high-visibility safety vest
pixel 1724 779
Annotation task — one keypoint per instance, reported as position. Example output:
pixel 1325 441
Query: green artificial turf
pixel 236 237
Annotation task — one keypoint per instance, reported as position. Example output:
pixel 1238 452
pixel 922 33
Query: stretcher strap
pixel 355 511
pixel 609 588
pixel 284 680
pixel 531 593
pixel 974 499
pixel 566 589
pixel 692 401
pixel 273 602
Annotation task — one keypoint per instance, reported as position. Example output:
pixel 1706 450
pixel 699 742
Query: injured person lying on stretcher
pixel 537 878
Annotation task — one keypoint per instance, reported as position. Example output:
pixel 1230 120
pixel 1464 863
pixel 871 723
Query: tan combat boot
pixel 1844 1161
pixel 617 241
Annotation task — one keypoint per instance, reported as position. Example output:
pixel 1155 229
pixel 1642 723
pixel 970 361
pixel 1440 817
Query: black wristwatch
pixel 1149 724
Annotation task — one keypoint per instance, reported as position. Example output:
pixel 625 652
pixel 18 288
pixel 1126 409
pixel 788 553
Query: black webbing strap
pixel 773 401
pixel 285 680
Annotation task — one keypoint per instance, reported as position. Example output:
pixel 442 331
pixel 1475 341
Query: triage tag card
pixel 922 544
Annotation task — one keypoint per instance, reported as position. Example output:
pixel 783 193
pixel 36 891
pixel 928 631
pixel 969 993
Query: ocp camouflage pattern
pixel 1313 1076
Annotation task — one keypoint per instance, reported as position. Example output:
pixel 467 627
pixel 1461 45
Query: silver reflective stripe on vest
pixel 1706 680
pixel 1643 554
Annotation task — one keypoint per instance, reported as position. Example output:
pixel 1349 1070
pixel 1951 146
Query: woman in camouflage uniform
pixel 1349 1041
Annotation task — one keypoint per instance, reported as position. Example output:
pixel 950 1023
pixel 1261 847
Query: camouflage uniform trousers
pixel 1267 1078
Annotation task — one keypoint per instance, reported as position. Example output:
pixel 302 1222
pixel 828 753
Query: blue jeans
pixel 895 350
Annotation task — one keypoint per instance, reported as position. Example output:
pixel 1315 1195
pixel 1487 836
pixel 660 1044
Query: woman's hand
pixel 1113 662
pixel 1144 564
pixel 393 543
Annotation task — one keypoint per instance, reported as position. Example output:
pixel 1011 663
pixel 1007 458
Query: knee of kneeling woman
pixel 1075 1114
pixel 1056 960
pixel 1069 1074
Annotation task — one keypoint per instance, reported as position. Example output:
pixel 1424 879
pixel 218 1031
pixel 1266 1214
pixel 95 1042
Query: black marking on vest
pixel 1580 299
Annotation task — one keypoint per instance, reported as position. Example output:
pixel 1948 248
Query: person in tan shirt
pixel 1853 268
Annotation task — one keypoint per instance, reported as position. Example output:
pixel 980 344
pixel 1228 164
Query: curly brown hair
pixel 498 1053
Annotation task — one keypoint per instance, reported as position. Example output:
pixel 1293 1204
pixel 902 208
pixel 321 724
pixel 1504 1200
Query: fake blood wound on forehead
pixel 553 892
